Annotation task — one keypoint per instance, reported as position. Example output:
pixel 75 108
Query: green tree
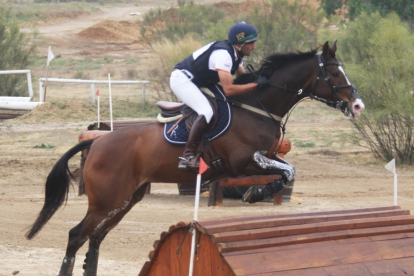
pixel 17 50
pixel 330 6
pixel 379 53
pixel 404 8
pixel 287 26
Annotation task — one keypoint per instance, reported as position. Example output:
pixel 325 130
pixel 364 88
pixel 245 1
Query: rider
pixel 215 62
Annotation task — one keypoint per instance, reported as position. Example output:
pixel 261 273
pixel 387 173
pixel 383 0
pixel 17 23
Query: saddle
pixel 171 111
pixel 178 119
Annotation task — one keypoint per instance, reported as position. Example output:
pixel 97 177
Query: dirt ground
pixel 338 178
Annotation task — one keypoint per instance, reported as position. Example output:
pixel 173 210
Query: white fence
pixel 24 103
pixel 92 85
pixel 27 104
pixel 29 78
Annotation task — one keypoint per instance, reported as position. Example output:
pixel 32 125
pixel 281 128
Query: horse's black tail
pixel 56 188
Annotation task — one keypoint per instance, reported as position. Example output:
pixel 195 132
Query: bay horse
pixel 121 164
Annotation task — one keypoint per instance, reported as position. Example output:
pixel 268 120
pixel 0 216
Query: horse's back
pixel 127 137
pixel 130 157
pixel 117 156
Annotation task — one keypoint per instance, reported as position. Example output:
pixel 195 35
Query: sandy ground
pixel 324 182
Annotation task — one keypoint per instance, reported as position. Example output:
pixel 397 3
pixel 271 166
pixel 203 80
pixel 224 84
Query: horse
pixel 121 164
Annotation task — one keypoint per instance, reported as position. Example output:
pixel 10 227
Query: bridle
pixel 337 104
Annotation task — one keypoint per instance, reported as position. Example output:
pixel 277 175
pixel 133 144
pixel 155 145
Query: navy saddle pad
pixel 179 134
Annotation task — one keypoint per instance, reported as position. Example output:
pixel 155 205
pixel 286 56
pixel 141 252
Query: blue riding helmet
pixel 242 33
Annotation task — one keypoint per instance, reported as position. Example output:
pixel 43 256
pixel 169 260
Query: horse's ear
pixel 326 49
pixel 334 47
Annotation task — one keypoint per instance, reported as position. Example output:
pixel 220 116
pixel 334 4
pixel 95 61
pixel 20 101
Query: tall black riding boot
pixel 188 159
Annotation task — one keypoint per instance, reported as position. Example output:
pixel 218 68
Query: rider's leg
pixel 187 160
pixel 189 93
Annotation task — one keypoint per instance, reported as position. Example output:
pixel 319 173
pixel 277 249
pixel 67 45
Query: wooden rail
pixel 363 241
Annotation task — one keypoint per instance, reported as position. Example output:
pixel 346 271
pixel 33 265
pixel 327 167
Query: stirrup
pixel 188 163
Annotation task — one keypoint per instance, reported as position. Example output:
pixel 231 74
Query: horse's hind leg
pixel 90 265
pixel 90 226
pixel 102 229
pixel 76 240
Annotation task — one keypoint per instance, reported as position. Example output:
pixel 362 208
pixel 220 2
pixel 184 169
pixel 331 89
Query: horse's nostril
pixel 357 107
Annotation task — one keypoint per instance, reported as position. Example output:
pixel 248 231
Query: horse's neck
pixel 278 101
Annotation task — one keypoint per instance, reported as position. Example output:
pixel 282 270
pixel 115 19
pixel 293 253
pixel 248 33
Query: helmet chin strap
pixel 239 49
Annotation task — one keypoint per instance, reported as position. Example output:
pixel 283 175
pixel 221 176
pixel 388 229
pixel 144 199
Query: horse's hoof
pixel 253 195
pixel 86 260
pixel 274 187
pixel 67 266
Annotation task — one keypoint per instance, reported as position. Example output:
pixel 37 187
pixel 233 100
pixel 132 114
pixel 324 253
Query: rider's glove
pixel 262 82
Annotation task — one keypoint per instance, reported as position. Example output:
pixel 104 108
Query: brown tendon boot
pixel 188 159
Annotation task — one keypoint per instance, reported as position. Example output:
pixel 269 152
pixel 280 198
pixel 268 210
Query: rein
pixel 262 112
pixel 339 104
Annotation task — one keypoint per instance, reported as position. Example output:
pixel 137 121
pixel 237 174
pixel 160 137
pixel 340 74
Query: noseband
pixel 339 104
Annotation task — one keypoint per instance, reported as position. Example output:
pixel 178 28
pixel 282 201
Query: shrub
pixel 175 24
pixel 132 74
pixel 17 50
pixel 404 8
pixel 287 26
pixel 78 75
pixel 379 54
pixel 167 54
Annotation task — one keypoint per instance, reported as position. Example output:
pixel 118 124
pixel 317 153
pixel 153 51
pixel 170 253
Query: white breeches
pixel 189 93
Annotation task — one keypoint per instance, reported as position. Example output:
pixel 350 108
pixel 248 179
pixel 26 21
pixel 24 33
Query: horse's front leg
pixel 265 165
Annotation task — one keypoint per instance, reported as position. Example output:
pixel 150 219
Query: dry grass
pixel 166 54
pixel 316 129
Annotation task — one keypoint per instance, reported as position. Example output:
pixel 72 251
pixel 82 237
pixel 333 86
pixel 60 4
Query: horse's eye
pixel 336 75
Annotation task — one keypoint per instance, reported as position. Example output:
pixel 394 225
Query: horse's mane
pixel 274 62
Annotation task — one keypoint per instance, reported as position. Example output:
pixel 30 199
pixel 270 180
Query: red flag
pixel 97 92
pixel 107 69
pixel 203 166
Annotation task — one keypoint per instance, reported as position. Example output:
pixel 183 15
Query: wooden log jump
pixel 216 188
pixel 364 241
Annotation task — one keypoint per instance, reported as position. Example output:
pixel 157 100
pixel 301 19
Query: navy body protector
pixel 203 76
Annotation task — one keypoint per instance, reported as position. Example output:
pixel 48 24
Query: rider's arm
pixel 231 89
pixel 240 71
